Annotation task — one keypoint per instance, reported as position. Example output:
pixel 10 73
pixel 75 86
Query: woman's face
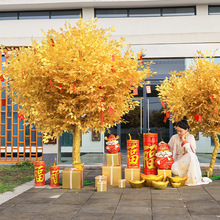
pixel 181 131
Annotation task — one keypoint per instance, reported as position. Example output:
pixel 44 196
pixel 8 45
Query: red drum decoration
pixel 39 173
pixel 133 154
pixel 150 142
pixel 54 176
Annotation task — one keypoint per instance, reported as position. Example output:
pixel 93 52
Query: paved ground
pixel 199 202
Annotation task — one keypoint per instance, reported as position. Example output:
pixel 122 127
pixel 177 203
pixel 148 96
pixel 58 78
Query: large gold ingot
pixel 150 178
pixel 160 184
pixel 178 179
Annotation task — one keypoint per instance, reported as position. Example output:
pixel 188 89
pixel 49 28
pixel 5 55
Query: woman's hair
pixel 183 124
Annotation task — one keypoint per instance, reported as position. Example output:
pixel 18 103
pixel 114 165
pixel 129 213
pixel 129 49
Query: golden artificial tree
pixel 76 80
pixel 195 93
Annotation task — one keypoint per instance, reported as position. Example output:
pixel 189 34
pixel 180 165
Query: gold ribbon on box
pixel 71 178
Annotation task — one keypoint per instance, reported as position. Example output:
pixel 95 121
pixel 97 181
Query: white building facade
pixel 169 31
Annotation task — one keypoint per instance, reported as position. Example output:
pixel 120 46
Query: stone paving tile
pixel 16 216
pixel 168 203
pixel 73 201
pixel 169 211
pixel 98 209
pixel 132 217
pixel 102 201
pixel 55 216
pixel 205 217
pixel 135 202
pixel 54 208
pixel 93 216
pixel 172 217
pixel 134 210
pixel 21 208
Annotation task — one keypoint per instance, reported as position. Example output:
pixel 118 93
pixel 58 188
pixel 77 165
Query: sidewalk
pixel 198 202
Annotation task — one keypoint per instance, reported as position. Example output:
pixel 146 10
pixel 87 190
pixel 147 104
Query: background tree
pixel 195 93
pixel 77 79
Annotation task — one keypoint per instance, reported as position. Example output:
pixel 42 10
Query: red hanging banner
pixel 165 119
pixel 111 111
pixel 213 96
pixel 168 114
pixel 141 58
pixel 60 87
pixel 113 57
pixel 51 86
pixel 135 91
pixel 200 118
pixel 2 78
pixel 163 104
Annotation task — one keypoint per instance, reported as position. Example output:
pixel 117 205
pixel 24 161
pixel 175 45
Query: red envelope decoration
pixel 196 117
pixel 111 111
pixel 167 114
pixel 141 58
pixel 200 118
pixel 2 78
pixel 113 57
pixel 51 86
pixel 213 96
pixel 165 119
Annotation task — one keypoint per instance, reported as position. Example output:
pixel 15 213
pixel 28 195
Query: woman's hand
pixel 183 138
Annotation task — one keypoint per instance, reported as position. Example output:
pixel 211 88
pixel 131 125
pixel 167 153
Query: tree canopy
pixel 77 76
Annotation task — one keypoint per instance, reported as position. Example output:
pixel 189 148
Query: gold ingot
pixel 160 184
pixel 136 183
pixel 149 178
pixel 178 179
pixel 176 185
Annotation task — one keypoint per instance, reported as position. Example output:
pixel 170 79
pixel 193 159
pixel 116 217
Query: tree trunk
pixel 76 145
pixel 209 170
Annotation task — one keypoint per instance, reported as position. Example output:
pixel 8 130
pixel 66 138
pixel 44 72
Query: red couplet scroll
pixel 133 154
pixel 39 173
pixel 54 176
pixel 150 142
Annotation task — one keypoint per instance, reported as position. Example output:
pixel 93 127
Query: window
pixel 145 12
pixel 58 14
pixel 111 13
pixel 182 11
pixel 66 14
pixel 214 10
pixel 34 15
pixel 8 16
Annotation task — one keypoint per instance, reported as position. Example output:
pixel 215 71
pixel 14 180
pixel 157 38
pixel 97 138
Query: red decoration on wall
pixel 3 102
pixel 74 89
pixel 163 104
pixel 2 78
pixel 113 57
pixel 135 91
pixel 148 89
pixel 111 111
pixel 141 58
pixel 20 116
pixel 51 86
pixel 60 87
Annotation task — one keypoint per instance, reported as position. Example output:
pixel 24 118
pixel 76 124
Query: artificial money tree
pixel 195 93
pixel 76 79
